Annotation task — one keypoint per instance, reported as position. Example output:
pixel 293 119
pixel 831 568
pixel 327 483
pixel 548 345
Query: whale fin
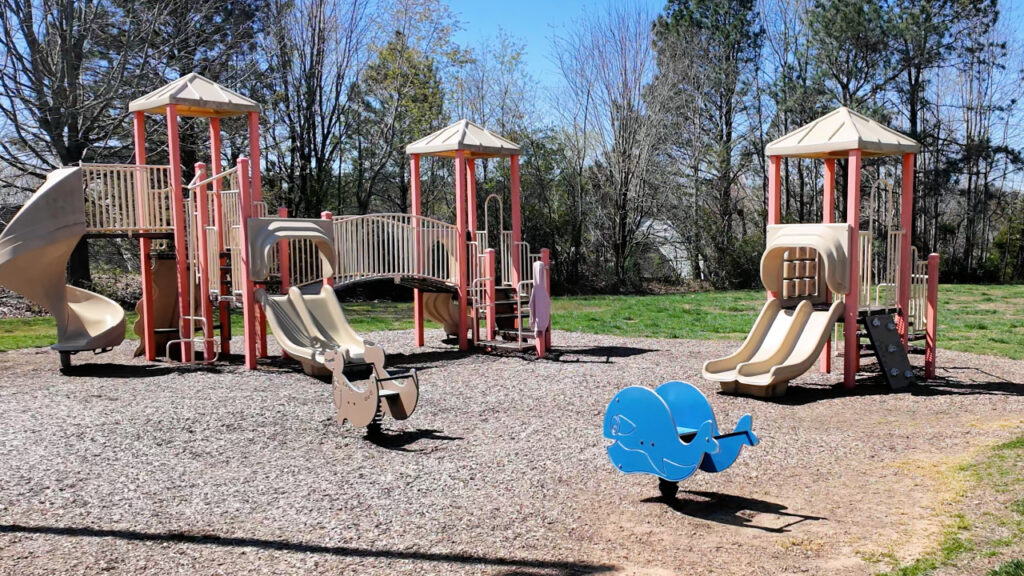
pixel 745 425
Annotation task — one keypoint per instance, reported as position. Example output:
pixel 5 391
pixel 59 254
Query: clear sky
pixel 533 22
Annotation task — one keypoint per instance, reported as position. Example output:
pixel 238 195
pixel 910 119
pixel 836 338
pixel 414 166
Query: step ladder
pixel 888 349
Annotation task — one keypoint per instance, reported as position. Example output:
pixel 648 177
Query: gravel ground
pixel 131 468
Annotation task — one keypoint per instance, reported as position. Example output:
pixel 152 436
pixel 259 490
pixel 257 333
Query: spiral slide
pixel 34 251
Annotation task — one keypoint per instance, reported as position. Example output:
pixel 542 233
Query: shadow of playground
pixel 601 354
pixel 516 565
pixel 735 510
pixel 400 440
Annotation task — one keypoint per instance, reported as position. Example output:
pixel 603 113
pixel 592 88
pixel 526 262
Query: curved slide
pixel 443 309
pixel 782 345
pixel 34 251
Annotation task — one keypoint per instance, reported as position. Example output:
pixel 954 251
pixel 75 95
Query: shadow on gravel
pixel 518 565
pixel 426 360
pixel 398 441
pixel 601 354
pixel 129 370
pixel 735 510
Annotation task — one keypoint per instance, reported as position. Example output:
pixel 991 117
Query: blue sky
pixel 533 22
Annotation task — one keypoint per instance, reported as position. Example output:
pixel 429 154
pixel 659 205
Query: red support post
pixel 224 312
pixel 774 199
pixel 851 358
pixel 545 257
pixel 145 266
pixel 931 317
pixel 517 221
pixel 416 207
pixel 249 318
pixel 180 241
pixel 906 266
pixel 471 178
pixel 284 259
pixel 329 216
pixel 491 260
pixel 828 216
pixel 202 250
pixel 254 156
pixel 462 257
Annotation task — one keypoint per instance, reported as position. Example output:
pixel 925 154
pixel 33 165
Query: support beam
pixel 416 207
pixel 145 266
pixel 931 318
pixel 471 178
pixel 254 156
pixel 828 216
pixel 223 308
pixel 906 267
pixel 517 222
pixel 249 318
pixel 462 257
pixel 329 278
pixel 774 199
pixel 851 358
pixel 178 215
pixel 203 262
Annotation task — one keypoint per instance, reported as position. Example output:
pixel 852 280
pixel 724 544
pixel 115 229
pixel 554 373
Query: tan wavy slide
pixel 34 251
pixel 783 344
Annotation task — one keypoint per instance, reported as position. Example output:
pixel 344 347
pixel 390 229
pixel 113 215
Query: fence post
pixel 931 316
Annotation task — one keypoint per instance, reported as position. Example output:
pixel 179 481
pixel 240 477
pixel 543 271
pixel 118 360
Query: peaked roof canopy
pixel 475 140
pixel 195 96
pixel 837 133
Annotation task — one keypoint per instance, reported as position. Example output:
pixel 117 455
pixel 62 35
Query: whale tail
pixel 745 425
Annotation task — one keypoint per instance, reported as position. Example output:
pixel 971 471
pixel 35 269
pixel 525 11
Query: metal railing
pixel 394 245
pixel 127 198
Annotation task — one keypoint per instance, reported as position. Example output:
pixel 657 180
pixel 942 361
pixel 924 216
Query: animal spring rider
pixel 670 432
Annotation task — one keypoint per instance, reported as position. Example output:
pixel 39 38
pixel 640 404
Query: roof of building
pixel 473 139
pixel 835 134
pixel 195 95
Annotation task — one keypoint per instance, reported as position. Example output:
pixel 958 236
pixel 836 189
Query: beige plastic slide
pixel 34 251
pixel 443 309
pixel 799 261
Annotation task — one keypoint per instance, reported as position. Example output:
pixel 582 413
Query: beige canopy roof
pixel 475 140
pixel 195 96
pixel 837 133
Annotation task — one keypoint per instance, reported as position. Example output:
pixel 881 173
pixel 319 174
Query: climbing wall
pixel 889 350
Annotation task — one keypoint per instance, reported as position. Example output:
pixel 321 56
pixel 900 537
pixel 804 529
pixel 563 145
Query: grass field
pixel 972 318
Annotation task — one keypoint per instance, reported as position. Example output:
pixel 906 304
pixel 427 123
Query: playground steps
pixel 888 349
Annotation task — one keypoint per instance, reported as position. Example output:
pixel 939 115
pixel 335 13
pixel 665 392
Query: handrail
pixel 216 176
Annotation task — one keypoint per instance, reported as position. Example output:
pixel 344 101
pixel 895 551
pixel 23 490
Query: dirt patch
pixel 134 468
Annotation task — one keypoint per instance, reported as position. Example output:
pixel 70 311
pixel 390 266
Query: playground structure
pixel 226 251
pixel 819 274
pixel 670 432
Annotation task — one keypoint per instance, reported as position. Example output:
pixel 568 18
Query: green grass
pixel 999 472
pixel 979 319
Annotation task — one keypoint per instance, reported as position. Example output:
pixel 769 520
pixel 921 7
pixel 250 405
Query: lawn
pixel 972 318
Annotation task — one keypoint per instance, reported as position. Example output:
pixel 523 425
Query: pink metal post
pixel 851 358
pixel 141 190
pixel 417 296
pixel 248 287
pixel 202 248
pixel 491 259
pixel 517 221
pixel 931 318
pixel 178 214
pixel 774 198
pixel 906 266
pixel 254 156
pixel 471 178
pixel 328 278
pixel 462 258
pixel 224 312
pixel 828 216
pixel 545 257
pixel 284 256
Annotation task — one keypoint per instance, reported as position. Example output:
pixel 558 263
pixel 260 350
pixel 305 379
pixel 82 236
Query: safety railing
pixel 394 245
pixel 127 198
pixel 305 264
pixel 918 294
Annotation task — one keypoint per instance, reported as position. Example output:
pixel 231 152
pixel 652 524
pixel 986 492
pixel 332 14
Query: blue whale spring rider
pixel 670 432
